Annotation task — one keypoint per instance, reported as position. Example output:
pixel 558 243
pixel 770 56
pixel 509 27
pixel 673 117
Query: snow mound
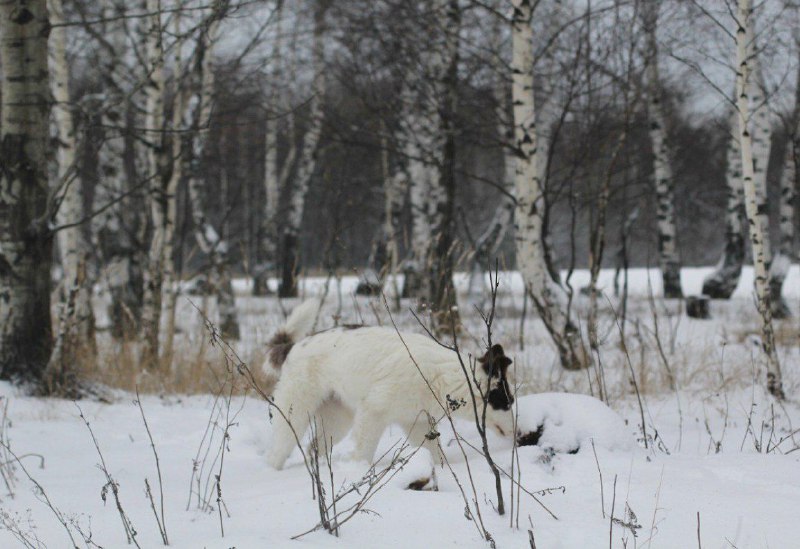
pixel 566 422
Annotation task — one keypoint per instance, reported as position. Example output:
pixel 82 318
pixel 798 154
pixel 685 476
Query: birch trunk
pixel 158 192
pixel 489 241
pixel 416 136
pixel 25 239
pixel 783 259
pixel 757 237
pixel 669 260
pixel 290 260
pixel 723 281
pixel 268 231
pixel 546 294
pixel 74 343
pixel 427 101
pixel 180 104
pixel 786 213
pixel 384 254
pixel 207 237
pixel 444 305
pixel 115 230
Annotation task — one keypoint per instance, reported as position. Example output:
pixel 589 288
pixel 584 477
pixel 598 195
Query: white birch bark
pixel 307 160
pixel 115 230
pixel 444 79
pixel 757 236
pixel 786 212
pixel 384 254
pixel 74 342
pixel 423 97
pixel 669 260
pixel 415 135
pixel 25 241
pixel 268 234
pixel 760 123
pixel 157 192
pixel 207 237
pixel 546 294
pixel 180 105
pixel 721 283
pixel 783 258
pixel 487 244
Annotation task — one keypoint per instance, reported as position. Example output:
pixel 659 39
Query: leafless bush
pixel 112 485
pixel 161 521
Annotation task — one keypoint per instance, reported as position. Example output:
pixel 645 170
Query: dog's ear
pixel 500 362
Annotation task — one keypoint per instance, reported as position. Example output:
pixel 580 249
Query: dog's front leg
pixel 423 433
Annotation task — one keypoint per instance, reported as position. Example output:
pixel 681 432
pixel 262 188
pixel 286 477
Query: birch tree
pixel 547 295
pixel 74 340
pixel 444 69
pixel 489 241
pixel 417 127
pixel 118 229
pixel 307 161
pixel 721 283
pixel 384 255
pixel 206 236
pixel 669 260
pixel 786 211
pixel 274 180
pixel 428 105
pixel 158 193
pixel 25 238
pixel 757 237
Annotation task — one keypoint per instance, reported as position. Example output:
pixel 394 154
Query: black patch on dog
pixel 500 397
pixel 495 364
pixel 279 347
pixel 419 484
pixel 531 439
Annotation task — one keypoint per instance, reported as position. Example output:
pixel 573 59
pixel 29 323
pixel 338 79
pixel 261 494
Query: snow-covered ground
pixel 716 448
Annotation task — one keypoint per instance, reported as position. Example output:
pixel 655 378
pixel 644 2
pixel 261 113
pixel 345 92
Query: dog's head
pixel 495 365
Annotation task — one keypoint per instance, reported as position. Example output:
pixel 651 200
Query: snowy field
pixel 715 464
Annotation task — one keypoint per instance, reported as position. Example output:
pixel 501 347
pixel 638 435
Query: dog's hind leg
pixel 334 421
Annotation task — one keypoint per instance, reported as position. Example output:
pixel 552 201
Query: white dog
pixel 364 379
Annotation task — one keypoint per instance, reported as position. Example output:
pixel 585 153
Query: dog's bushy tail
pixel 301 323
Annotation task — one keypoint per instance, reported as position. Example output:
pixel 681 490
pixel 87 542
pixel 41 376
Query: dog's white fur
pixel 364 379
